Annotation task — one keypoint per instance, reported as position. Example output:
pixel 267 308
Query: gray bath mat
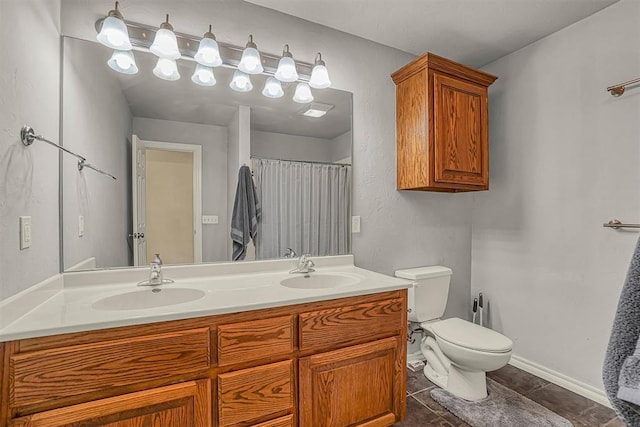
pixel 502 408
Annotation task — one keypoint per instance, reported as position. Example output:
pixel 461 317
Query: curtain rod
pixel 301 161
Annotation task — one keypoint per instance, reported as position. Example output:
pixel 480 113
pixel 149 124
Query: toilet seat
pixel 471 336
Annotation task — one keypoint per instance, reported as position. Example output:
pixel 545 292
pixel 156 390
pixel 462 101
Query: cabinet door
pixel 361 385
pixel 180 405
pixel 461 133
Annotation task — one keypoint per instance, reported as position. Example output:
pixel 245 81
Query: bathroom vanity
pixel 270 356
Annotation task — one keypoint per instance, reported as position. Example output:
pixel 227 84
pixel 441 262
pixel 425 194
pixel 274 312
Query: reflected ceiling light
pixel 315 110
pixel 241 82
pixel 250 62
pixel 203 76
pixel 165 44
pixel 303 94
pixel 208 52
pixel 286 71
pixel 272 88
pixel 114 33
pixel 319 74
pixel 123 62
pixel 166 69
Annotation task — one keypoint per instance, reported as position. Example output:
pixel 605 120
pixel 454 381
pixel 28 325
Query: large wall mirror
pixel 175 149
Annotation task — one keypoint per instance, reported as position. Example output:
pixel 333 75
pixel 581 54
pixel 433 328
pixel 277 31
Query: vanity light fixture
pixel 286 71
pixel 241 82
pixel 203 76
pixel 123 62
pixel 250 62
pixel 114 33
pixel 165 44
pixel 273 88
pixel 303 94
pixel 208 52
pixel 166 69
pixel 316 110
pixel 319 74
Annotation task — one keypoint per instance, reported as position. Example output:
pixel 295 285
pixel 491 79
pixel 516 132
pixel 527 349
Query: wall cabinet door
pixel 355 386
pixel 180 405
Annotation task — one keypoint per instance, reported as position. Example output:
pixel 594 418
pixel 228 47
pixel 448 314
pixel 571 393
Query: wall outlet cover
pixel 209 219
pixel 25 232
pixel 80 225
pixel 355 224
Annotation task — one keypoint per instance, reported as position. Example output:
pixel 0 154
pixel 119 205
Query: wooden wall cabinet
pixel 442 126
pixel 309 365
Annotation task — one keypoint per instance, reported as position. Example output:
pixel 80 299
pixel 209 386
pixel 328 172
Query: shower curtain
pixel 305 206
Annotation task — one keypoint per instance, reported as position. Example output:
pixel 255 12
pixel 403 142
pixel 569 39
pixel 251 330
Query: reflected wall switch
pixel 81 226
pixel 25 232
pixel 209 219
pixel 355 224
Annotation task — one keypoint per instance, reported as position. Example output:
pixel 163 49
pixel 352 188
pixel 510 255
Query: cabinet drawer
pixel 256 394
pixel 327 328
pixel 280 422
pixel 68 371
pixel 246 341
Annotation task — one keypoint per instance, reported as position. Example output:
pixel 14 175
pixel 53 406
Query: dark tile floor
pixel 422 410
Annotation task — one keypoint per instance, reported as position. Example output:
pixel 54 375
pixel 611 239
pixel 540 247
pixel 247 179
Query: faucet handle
pixel 157 260
pixel 290 253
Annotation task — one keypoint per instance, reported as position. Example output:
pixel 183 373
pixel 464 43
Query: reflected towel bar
pixel 28 135
pixel 616 224
pixel 618 89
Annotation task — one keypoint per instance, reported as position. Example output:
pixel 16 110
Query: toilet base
pixel 469 385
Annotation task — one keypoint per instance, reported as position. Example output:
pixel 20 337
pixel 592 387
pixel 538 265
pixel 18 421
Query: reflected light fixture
pixel 286 71
pixel 241 82
pixel 319 74
pixel 203 76
pixel 123 62
pixel 114 33
pixel 165 44
pixel 208 52
pixel 166 69
pixel 250 62
pixel 303 94
pixel 272 88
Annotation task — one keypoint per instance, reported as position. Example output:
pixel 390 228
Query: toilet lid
pixel 469 335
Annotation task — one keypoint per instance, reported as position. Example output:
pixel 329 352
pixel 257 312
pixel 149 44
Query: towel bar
pixel 616 224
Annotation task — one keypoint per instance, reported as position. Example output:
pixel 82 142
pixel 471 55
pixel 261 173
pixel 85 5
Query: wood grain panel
pixel 51 374
pixel 328 328
pixel 253 394
pixel 180 405
pixel 280 422
pixel 443 65
pixel 255 340
pixel 336 387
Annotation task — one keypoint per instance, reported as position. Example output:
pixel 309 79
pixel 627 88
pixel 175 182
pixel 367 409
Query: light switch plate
pixel 80 225
pixel 355 224
pixel 209 219
pixel 25 232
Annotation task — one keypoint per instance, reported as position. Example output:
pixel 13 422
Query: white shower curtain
pixel 305 206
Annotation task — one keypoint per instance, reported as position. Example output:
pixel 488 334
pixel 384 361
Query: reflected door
pixel 138 191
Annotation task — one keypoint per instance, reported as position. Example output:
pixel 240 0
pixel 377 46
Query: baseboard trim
pixel 564 381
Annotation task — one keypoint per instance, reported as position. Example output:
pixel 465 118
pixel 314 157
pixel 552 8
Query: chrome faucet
pixel 304 265
pixel 289 253
pixel 155 275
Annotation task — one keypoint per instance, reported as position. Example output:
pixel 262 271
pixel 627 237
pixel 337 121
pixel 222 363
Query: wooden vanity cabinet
pixel 442 126
pixel 330 363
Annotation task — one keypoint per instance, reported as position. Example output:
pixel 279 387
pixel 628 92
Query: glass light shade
pixel 166 69
pixel 241 82
pixel 203 76
pixel 208 53
pixel 303 94
pixel 250 62
pixel 319 77
pixel 165 45
pixel 286 71
pixel 123 62
pixel 114 34
pixel 272 88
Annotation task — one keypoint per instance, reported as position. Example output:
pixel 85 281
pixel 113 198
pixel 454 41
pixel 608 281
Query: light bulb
pixel 319 74
pixel 286 71
pixel 123 62
pixel 241 82
pixel 272 88
pixel 203 76
pixel 166 69
pixel 303 94
pixel 250 62
pixel 208 52
pixel 165 44
pixel 114 33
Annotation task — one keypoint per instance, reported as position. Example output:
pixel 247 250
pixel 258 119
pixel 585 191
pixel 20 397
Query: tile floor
pixel 422 410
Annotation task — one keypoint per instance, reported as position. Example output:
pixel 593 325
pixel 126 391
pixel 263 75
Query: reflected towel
pixel 246 214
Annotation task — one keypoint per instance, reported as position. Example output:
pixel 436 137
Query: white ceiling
pixel 473 32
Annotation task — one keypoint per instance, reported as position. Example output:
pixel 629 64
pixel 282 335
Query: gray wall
pixel 341 146
pixel 97 125
pixel 213 140
pixel 29 93
pixel 564 160
pixel 273 145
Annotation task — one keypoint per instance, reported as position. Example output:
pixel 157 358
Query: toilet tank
pixel 430 291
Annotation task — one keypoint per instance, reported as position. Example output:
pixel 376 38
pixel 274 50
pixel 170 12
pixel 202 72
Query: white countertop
pixel 227 288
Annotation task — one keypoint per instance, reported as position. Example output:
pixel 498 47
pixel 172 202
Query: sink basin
pixel 148 298
pixel 320 281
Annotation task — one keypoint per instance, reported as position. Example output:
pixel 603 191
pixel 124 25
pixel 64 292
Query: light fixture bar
pixel 142 36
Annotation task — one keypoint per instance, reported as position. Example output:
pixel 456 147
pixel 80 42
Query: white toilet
pixel 458 353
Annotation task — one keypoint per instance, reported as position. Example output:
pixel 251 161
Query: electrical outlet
pixel 209 219
pixel 80 225
pixel 355 224
pixel 25 232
